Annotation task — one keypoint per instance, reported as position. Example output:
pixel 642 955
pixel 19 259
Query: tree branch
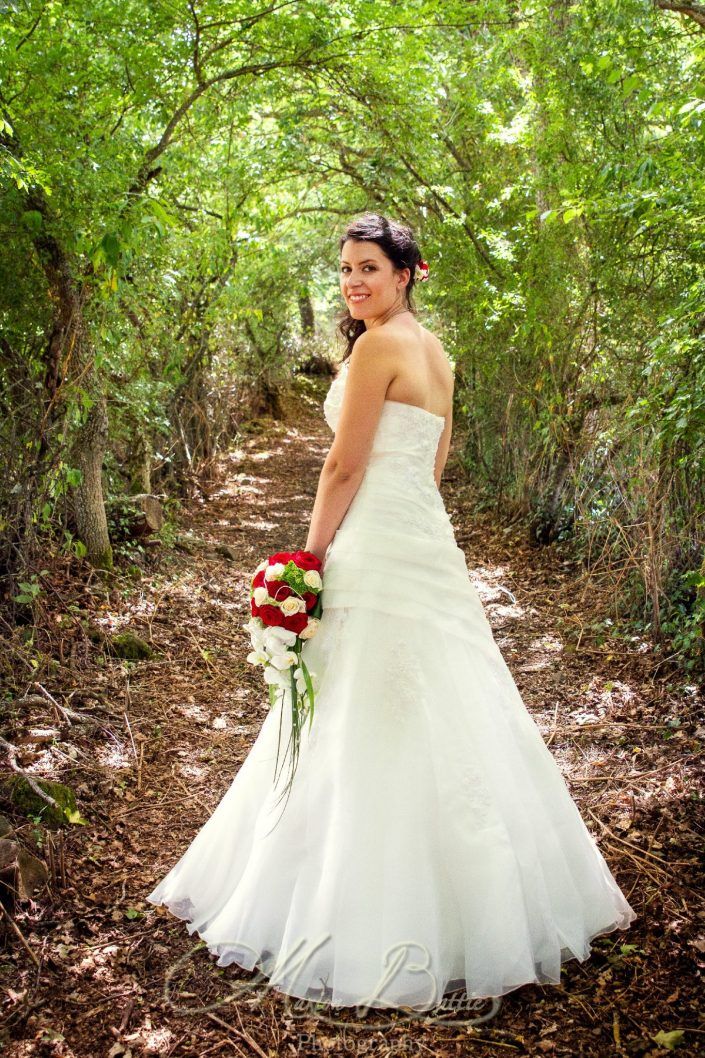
pixel 694 11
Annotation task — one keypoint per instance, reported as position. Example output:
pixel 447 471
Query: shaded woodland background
pixel 173 179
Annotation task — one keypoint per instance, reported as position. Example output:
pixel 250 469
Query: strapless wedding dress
pixel 429 842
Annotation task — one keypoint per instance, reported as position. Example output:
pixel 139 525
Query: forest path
pixel 183 722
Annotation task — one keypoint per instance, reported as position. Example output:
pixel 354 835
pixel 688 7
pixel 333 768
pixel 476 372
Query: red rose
pixel 280 556
pixel 306 560
pixel 296 623
pixel 279 589
pixel 258 580
pixel 271 615
pixel 310 598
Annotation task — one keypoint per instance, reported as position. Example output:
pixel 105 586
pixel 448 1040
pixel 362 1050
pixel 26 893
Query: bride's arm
pixel 443 447
pixel 445 438
pixel 336 489
pixel 372 367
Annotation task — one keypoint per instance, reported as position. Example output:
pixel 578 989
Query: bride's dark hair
pixel 395 240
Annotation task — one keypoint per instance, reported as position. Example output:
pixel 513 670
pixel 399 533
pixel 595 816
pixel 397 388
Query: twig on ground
pixel 11 752
pixel 19 934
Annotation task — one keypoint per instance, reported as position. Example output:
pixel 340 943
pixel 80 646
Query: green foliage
pixel 174 180
pixel 131 647
pixel 30 589
pixel 39 810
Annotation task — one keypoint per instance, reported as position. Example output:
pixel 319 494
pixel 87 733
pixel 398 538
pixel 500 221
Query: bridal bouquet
pixel 285 607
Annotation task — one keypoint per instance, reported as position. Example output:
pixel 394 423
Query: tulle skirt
pixel 429 842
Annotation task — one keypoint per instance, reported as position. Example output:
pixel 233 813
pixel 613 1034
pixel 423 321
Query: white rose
pixel 263 565
pixel 292 605
pixel 260 595
pixel 274 571
pixel 312 579
pixel 310 629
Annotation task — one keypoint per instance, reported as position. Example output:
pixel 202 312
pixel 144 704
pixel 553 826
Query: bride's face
pixel 368 280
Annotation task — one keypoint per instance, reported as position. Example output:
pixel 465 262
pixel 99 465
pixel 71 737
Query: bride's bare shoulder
pixel 437 345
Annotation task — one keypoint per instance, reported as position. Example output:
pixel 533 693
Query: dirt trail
pixel 178 727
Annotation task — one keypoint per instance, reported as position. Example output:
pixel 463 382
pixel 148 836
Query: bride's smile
pixel 373 288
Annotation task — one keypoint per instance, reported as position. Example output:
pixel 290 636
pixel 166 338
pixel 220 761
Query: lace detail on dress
pixel 428 523
pixel 327 645
pixel 404 688
pixel 400 468
pixel 421 508
pixel 334 628
pixel 465 790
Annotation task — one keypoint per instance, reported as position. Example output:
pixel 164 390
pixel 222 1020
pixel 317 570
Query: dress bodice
pixel 403 428
pixel 399 486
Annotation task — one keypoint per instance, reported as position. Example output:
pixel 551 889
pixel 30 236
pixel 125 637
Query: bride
pixel 429 841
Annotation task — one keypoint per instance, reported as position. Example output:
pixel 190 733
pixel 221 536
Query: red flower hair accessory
pixel 421 272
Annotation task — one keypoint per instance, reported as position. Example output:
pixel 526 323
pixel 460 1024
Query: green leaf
pixel 631 83
pixel 110 245
pixel 669 1040
pixel 74 816
pixel 32 220
pixel 168 219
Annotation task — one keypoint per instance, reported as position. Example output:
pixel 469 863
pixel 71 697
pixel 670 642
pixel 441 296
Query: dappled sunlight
pixel 500 610
pixel 144 602
pixel 548 642
pixel 154 1041
pixel 191 770
pixel 297 438
pixel 192 711
pixel 198 708
pixel 493 593
pixel 114 757
pixel 258 489
pixel 98 962
pixel 539 653
pixel 259 524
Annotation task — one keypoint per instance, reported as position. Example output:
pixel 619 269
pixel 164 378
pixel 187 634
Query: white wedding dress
pixel 429 842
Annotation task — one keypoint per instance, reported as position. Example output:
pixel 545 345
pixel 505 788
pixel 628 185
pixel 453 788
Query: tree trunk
pixel 136 516
pixel 700 595
pixel 89 506
pixel 306 314
pixel 142 477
